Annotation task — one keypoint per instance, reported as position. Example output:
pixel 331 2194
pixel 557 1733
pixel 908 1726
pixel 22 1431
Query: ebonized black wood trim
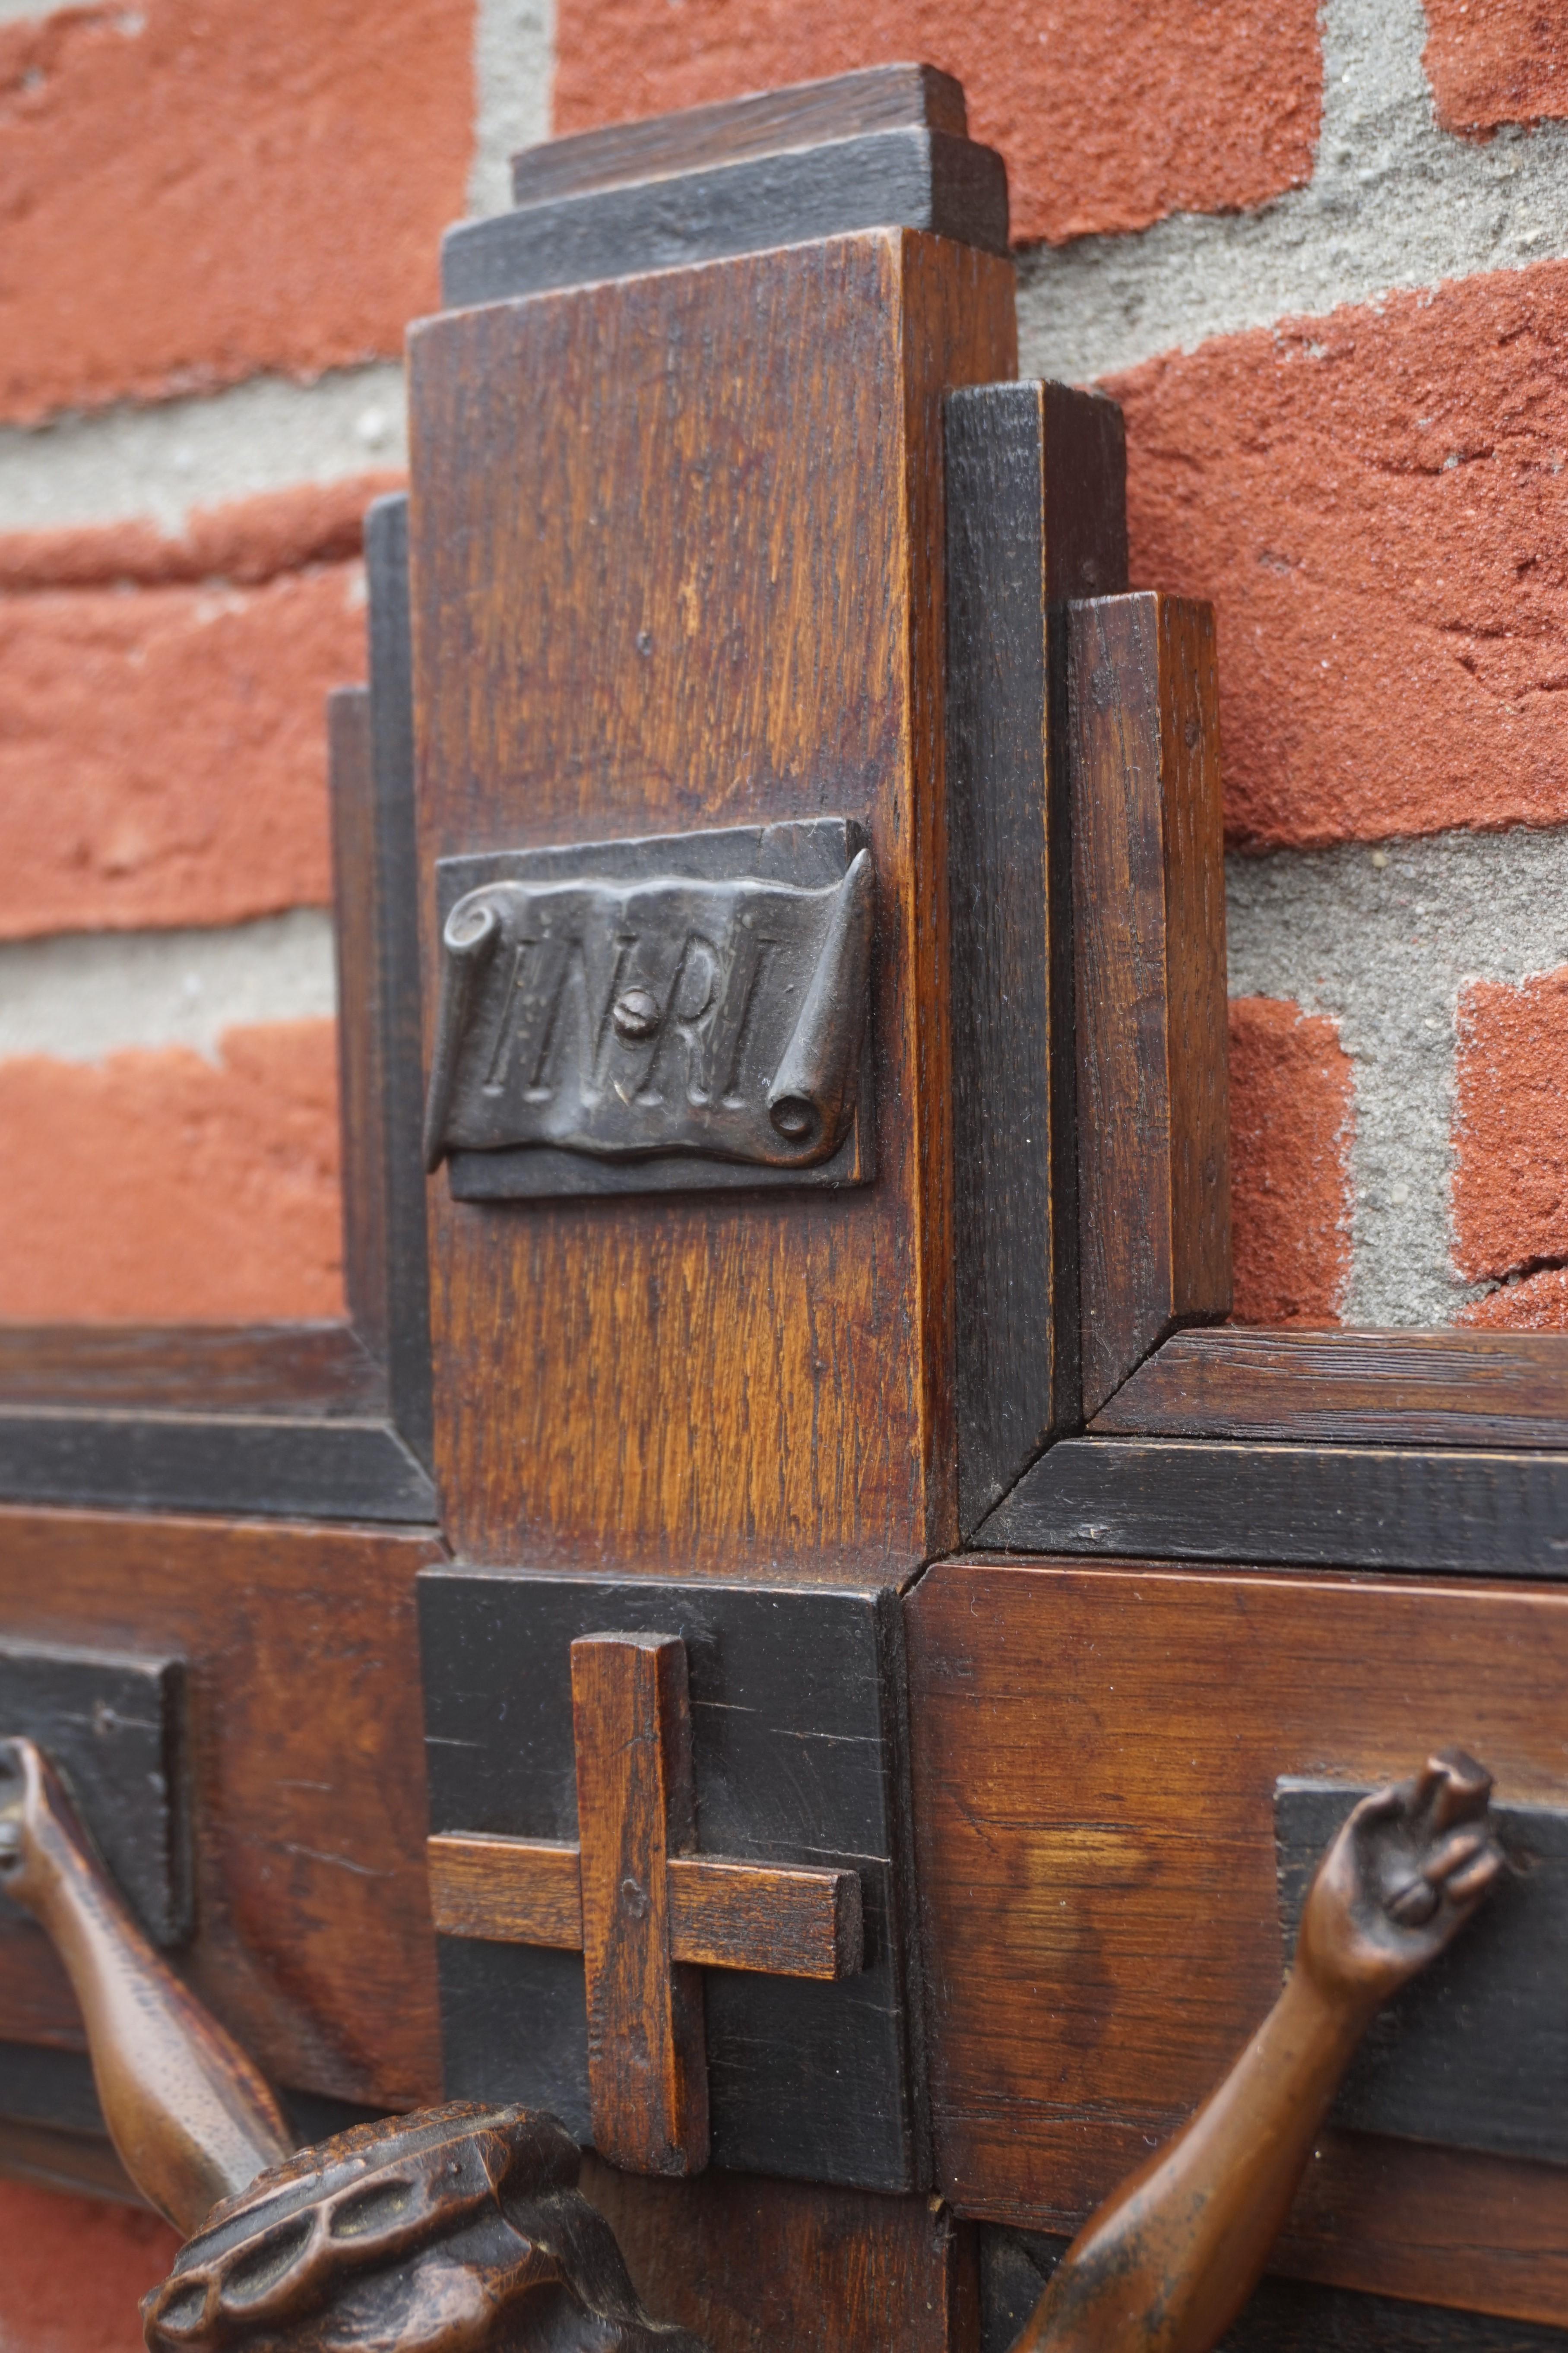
pixel 916 178
pixel 1036 515
pixel 268 1466
pixel 1439 1511
pixel 1411 1388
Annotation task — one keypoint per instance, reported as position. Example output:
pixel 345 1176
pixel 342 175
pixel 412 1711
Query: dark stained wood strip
pixel 508 1891
pixel 273 1465
pixel 304 1369
pixel 647 2068
pixel 917 179
pixel 880 98
pixel 780 1919
pixel 403 1321
pixel 1149 949
pixel 1413 1389
pixel 1469 1514
pixel 1035 514
pixel 784 1920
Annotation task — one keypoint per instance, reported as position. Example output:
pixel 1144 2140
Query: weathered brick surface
pixel 1536 1302
pixel 1495 61
pixel 1377 502
pixel 158 1188
pixel 1510 1139
pixel 1290 1112
pixel 1110 112
pixel 244 539
pixel 73 2270
pixel 193 190
pixel 163 753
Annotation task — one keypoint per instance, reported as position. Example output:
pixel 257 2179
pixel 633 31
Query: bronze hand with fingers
pixel 1169 2260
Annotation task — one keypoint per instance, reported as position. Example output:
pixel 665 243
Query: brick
pixel 1535 1303
pixel 1510 1140
pixel 1291 1106
pixel 194 190
pixel 163 752
pixel 1375 501
pixel 1495 61
pixel 244 539
pixel 73 2270
pixel 158 1186
pixel 1110 113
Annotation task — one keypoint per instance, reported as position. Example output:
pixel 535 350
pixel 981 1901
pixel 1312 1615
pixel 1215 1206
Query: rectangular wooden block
pixel 798 1761
pixel 647 2065
pixel 303 1731
pixel 114 1727
pixel 1035 514
pixel 1149 945
pixel 700 585
pixel 1095 1751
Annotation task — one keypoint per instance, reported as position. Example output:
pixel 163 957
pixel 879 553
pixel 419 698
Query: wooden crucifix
pixel 642 1907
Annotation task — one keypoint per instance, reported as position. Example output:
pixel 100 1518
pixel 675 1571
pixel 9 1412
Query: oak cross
pixel 644 1909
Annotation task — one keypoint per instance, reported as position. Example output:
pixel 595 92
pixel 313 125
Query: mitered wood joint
pixel 644 1909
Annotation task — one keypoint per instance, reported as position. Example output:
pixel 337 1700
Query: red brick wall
pixel 73 2272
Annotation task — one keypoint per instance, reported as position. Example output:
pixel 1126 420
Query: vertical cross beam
pixel 647 2067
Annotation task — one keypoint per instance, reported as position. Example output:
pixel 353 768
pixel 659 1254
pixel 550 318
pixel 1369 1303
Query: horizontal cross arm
pixel 782 1920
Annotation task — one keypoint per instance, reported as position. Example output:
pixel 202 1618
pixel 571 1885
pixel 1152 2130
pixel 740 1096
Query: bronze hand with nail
pixel 1169 2260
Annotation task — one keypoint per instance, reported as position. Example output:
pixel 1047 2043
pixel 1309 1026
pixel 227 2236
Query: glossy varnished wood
pixel 1035 514
pixel 1094 1753
pixel 705 592
pixel 1390 1389
pixel 751 2265
pixel 648 2064
pixel 304 1747
pixel 1149 946
pixel 771 1917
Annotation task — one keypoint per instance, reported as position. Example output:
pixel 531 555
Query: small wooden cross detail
pixel 644 1909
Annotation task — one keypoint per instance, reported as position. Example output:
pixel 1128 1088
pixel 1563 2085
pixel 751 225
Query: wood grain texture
pixel 648 2063
pixel 1035 514
pixel 751 2265
pixel 304 1369
pixel 786 1923
pixel 797 1923
pixel 1097 1886
pixel 1149 947
pixel 303 1736
pixel 919 179
pixel 1472 1513
pixel 705 592
pixel 770 122
pixel 1390 1389
pixel 507 1891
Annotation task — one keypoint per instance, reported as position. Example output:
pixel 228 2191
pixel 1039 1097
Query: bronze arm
pixel 1167 2263
pixel 460 2229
